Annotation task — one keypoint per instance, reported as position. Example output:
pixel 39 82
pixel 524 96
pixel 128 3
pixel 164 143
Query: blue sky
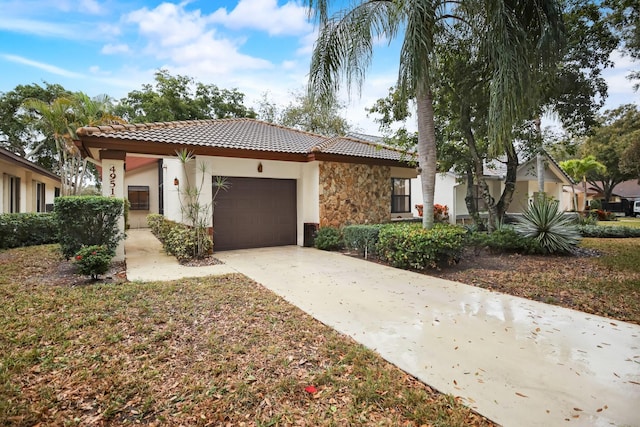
pixel 256 46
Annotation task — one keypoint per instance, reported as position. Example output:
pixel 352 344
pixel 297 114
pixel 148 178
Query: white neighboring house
pixel 26 187
pixel 451 188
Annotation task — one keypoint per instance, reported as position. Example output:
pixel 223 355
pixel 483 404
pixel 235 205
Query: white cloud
pixel 265 15
pixel 42 66
pixel 110 49
pixel 168 24
pixel 40 28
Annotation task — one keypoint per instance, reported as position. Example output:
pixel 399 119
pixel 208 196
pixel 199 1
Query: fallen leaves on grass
pixel 197 352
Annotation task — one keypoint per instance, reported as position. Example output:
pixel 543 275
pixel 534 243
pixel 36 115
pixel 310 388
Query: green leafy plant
pixel 195 212
pixel 545 223
pixel 602 231
pixel 503 239
pixel 93 260
pixel 362 238
pixel 411 246
pixel 88 221
pixel 27 229
pixel 329 239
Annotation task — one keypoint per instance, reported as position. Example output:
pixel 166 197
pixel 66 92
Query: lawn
pixel 625 221
pixel 208 351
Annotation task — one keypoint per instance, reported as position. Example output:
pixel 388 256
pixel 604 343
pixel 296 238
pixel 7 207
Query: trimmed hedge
pixel 27 229
pixel 361 238
pixel 328 239
pixel 410 246
pixel 505 239
pixel 88 221
pixel 604 231
pixel 177 239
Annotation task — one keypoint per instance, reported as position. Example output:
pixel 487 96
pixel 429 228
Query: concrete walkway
pixel 518 362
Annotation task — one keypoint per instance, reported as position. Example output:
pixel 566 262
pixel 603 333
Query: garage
pixel 254 213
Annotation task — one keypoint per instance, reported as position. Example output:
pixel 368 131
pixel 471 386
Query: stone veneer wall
pixel 354 194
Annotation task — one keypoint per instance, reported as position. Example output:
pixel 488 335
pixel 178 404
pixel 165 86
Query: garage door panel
pixel 255 212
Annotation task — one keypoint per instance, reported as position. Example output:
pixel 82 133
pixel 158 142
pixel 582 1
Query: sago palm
pixel 519 39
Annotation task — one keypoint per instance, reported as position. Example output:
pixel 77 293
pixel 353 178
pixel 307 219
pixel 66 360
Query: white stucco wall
pixel 305 174
pixel 145 176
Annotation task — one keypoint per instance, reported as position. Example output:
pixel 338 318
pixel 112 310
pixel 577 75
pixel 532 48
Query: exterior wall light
pixel 176 181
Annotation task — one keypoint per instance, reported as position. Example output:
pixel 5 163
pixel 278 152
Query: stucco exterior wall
pixel 28 181
pixel 354 194
pixel 146 176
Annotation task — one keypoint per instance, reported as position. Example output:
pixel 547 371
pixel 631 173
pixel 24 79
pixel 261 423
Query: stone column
pixel 113 186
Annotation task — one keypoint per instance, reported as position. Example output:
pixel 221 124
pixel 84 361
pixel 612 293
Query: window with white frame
pixel 400 195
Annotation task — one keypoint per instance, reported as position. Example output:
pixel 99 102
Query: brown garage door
pixel 255 213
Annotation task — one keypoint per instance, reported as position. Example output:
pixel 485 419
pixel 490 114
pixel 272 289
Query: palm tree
pixel 520 40
pixel 61 118
pixel 578 169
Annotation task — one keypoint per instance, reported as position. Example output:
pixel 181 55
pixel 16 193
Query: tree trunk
pixel 509 183
pixel 427 155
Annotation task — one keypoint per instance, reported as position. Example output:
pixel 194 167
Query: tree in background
pixel 303 114
pixel 521 40
pixel 578 169
pixel 60 119
pixel 619 132
pixel 23 134
pixel 174 98
pixel 625 18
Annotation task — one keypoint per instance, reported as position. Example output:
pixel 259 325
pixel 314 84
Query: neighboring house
pixel 451 189
pixel 26 187
pixel 622 196
pixel 283 183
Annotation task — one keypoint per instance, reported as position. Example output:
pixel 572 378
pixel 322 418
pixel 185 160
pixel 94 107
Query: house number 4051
pixel 112 179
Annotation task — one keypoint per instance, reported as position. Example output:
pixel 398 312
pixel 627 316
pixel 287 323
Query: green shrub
pixel 181 241
pixel 361 238
pixel 504 239
pixel 554 231
pixel 329 239
pixel 88 221
pixel 411 246
pixel 93 260
pixel 155 222
pixel 604 231
pixel 27 229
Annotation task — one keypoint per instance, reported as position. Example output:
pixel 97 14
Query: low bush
pixel 93 260
pixel 329 239
pixel 361 238
pixel 504 239
pixel 88 221
pixel 411 246
pixel 27 229
pixel 178 239
pixel 604 231
pixel 181 241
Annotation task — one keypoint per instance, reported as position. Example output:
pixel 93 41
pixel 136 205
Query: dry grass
pixel 200 352
pixel 607 285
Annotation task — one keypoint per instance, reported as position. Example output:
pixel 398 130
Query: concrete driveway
pixel 518 362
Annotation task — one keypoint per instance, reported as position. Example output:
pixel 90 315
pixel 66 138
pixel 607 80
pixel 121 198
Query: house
pixel 284 183
pixel 622 196
pixel 451 189
pixel 26 187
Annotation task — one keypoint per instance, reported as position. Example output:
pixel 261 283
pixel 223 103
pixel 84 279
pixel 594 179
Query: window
pixel 40 195
pixel 14 194
pixel 400 195
pixel 477 196
pixel 139 197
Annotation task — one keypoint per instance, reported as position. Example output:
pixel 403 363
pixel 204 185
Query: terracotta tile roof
pixel 242 134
